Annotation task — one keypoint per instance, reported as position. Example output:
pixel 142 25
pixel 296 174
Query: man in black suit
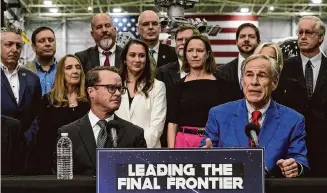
pixel 149 29
pixel 247 40
pixel 303 87
pixel 106 52
pixel 10 146
pixel 20 88
pixel 104 89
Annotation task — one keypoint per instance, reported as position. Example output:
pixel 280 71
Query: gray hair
pixel 320 25
pixel 12 29
pixel 274 67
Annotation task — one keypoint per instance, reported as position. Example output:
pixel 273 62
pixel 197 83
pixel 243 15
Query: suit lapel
pixel 87 136
pixel 22 85
pixel 95 61
pixel 174 73
pixel 121 129
pixel 6 84
pixel 239 121
pixel 322 76
pixel 161 55
pixel 117 56
pixel 234 71
pixel 270 125
pixel 299 71
pixel 135 101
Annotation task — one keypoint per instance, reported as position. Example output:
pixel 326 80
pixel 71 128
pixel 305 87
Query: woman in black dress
pixel 65 103
pixel 193 96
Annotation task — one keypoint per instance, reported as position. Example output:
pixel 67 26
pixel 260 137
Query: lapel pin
pixel 163 56
pixel 23 74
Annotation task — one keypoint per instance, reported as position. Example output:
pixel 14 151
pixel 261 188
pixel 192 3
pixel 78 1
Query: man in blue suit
pixel 20 88
pixel 281 129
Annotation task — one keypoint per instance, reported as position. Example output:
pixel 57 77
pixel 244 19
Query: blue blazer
pixel 282 132
pixel 29 99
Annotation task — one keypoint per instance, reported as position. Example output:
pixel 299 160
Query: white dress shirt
pixel 316 63
pixel 156 49
pixel 13 80
pixel 239 66
pixel 182 73
pixel 112 57
pixel 94 123
pixel 263 111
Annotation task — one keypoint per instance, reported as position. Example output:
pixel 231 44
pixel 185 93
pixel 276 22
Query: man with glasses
pixel 303 87
pixel 103 89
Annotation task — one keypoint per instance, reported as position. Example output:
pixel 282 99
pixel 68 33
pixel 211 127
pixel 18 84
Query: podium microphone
pixel 113 125
pixel 252 130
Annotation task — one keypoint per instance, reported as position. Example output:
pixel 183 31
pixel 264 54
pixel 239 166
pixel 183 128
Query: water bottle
pixel 64 158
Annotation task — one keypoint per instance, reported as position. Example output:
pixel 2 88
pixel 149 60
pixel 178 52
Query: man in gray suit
pixel 106 52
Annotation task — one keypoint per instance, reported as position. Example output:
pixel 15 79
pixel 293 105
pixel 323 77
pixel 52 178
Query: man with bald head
pixel 106 52
pixel 149 29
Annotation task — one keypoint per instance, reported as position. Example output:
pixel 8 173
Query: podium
pixel 232 170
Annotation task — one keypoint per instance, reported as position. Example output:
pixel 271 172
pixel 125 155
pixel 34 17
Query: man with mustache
pixel 149 29
pixel 20 88
pixel 281 129
pixel 303 87
pixel 106 52
pixel 104 88
pixel 44 64
pixel 247 40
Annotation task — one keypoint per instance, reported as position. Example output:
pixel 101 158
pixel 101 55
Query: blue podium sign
pixel 180 170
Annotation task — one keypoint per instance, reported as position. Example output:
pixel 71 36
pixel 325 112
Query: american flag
pixel 223 45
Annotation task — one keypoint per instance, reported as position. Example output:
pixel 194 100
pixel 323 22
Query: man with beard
pixel 149 29
pixel 44 64
pixel 303 87
pixel 247 40
pixel 106 52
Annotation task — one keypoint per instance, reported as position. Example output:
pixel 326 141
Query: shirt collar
pixel 156 48
pixel 5 69
pixel 240 60
pixel 314 60
pixel 94 119
pixel 180 62
pixel 263 110
pixel 112 50
pixel 52 66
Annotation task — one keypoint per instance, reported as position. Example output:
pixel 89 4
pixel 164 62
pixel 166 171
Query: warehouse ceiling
pixel 37 9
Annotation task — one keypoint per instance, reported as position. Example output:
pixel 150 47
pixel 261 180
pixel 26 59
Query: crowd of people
pixel 164 97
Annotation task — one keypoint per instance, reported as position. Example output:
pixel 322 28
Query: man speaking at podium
pixel 281 130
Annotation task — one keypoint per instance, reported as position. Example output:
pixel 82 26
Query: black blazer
pixel 11 158
pixel 27 108
pixel 292 92
pixel 166 55
pixel 90 57
pixel 169 74
pixel 84 146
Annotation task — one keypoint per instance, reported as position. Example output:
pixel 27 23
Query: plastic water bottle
pixel 64 158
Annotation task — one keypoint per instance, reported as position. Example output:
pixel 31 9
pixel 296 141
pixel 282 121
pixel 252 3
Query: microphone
pixel 252 130
pixel 112 126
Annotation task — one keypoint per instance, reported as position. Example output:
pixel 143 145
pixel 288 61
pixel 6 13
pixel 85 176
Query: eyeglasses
pixel 306 33
pixel 113 88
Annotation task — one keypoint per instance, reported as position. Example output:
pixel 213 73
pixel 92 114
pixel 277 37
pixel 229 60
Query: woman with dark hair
pixel 65 103
pixel 193 96
pixel 144 103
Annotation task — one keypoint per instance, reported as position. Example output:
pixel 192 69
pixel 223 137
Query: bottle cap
pixel 64 134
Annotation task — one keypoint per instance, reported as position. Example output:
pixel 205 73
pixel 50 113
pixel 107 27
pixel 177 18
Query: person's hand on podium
pixel 208 144
pixel 289 167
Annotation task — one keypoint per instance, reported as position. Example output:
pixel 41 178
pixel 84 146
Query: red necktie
pixel 255 119
pixel 107 54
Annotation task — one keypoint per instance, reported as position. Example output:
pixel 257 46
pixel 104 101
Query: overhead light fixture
pixel 53 10
pixel 316 1
pixel 116 10
pixel 47 2
pixel 271 8
pixel 89 8
pixel 245 10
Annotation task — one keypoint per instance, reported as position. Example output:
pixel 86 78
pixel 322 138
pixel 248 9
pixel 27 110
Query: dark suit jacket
pixel 292 92
pixel 11 160
pixel 168 74
pixel 84 146
pixel 27 108
pixel 229 72
pixel 166 55
pixel 90 58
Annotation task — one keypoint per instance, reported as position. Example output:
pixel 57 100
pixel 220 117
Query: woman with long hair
pixel 65 103
pixel 272 50
pixel 144 103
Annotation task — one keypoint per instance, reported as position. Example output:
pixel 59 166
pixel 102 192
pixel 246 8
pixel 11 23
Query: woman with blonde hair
pixel 65 103
pixel 272 50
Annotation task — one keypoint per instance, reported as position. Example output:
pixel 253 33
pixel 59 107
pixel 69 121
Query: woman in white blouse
pixel 145 102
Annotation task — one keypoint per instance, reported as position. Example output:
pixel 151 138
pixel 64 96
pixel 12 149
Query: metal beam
pixel 264 6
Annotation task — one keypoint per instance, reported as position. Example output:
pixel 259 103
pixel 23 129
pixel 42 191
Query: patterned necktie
pixel 103 134
pixel 152 53
pixel 309 78
pixel 107 54
pixel 255 119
